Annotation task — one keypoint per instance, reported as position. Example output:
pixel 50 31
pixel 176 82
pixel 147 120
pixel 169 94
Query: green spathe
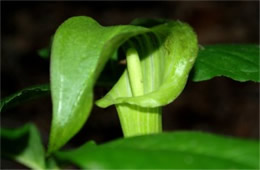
pixel 167 55
pixel 80 49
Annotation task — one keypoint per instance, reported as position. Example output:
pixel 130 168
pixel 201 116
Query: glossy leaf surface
pixel 178 150
pixel 23 145
pixel 238 62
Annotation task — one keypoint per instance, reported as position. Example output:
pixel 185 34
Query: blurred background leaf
pixel 23 145
pixel 44 53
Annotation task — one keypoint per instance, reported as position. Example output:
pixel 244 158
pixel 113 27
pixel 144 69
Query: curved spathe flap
pixel 167 56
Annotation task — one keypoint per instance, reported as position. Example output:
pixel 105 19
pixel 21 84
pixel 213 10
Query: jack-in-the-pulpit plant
pixel 159 56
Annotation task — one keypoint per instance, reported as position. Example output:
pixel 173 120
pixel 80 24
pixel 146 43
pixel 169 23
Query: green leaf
pixel 238 62
pixel 24 95
pixel 178 150
pixel 23 145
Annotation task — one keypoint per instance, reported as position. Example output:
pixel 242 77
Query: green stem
pixel 136 120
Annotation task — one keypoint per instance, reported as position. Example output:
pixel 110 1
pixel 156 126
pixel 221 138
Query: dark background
pixel 220 105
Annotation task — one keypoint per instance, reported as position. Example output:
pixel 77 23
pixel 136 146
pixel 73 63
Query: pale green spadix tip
pixel 135 72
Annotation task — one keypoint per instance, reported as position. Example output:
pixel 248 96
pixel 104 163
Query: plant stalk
pixel 136 120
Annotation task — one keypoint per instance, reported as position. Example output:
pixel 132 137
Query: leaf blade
pixel 238 62
pixel 168 150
